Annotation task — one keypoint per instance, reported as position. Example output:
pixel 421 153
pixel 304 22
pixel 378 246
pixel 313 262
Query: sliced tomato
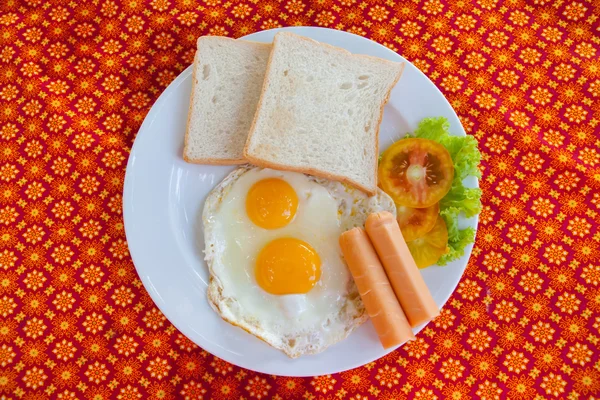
pixel 427 250
pixel 416 172
pixel 416 222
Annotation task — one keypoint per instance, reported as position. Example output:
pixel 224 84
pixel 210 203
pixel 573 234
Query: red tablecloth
pixel 77 79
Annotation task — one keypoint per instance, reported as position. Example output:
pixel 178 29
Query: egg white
pixel 296 324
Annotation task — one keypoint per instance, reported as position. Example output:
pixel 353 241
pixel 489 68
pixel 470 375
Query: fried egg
pixel 276 268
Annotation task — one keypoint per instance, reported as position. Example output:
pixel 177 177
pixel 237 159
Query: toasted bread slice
pixel 320 110
pixel 226 85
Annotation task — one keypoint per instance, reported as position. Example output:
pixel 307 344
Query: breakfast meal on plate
pixel 320 111
pixel 226 83
pixel 318 232
pixel 275 265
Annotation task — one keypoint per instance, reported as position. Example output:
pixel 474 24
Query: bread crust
pixel 207 160
pixel 309 170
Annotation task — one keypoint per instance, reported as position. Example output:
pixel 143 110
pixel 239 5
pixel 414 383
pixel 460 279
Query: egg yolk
pixel 271 203
pixel 287 266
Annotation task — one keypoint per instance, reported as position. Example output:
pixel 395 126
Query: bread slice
pixel 320 110
pixel 226 85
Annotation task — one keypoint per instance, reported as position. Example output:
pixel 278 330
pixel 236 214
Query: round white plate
pixel 163 199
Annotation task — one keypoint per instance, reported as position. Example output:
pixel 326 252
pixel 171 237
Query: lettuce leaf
pixel 466 157
pixel 456 248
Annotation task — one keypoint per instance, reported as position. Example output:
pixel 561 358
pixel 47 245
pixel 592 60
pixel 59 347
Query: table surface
pixel 76 81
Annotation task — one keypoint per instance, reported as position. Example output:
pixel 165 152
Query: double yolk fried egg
pixel 272 249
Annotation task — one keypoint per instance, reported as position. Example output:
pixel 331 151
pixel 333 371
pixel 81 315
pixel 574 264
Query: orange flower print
pixel 154 319
pixel 585 50
pixel 62 254
pixel 555 254
pixel 417 348
pixel 547 358
pixel 442 44
pixel 508 78
pixel 494 261
pixel 63 301
pixel 8 172
pixel 543 207
pixel 537 307
pixel 64 326
pixel 323 383
pixel 580 354
pixel 519 234
pixel 34 378
pixel 591 274
pixel 8 215
pixel 521 387
pixel 66 376
pixel 189 366
pixel 378 13
pixel 225 389
pixel 515 361
pixel 483 365
pixel 420 372
pixel 7 306
pixel 158 368
pixel 452 83
pixel 126 345
pixel 257 387
pixel 34 327
pixel 475 60
pixel 541 96
pixel 568 303
pixel 511 336
pixel 64 350
pixel 34 352
pixel 572 204
pixel 490 236
pixel 553 384
pixel 92 274
pixel 475 315
pixel 456 391
pixel 531 282
pixel 501 286
pixel 575 11
pixel 410 29
pixel 469 289
pixel 479 340
pixel 486 100
pixel 589 156
pixel 489 390
pixel 291 388
pixel 586 380
pixel 93 298
pixel 452 369
pixel 192 390
pixel 387 376
pixel 94 322
pixel 123 296
pixel 7 259
pixel 542 332
pixel 96 372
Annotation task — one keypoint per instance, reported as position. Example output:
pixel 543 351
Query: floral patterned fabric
pixel 76 81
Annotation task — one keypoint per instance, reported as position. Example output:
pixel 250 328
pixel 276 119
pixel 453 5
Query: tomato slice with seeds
pixel 427 250
pixel 416 222
pixel 416 172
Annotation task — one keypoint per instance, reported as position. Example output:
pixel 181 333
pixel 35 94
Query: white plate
pixel 163 198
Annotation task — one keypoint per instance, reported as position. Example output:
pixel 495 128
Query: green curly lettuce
pixel 466 157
